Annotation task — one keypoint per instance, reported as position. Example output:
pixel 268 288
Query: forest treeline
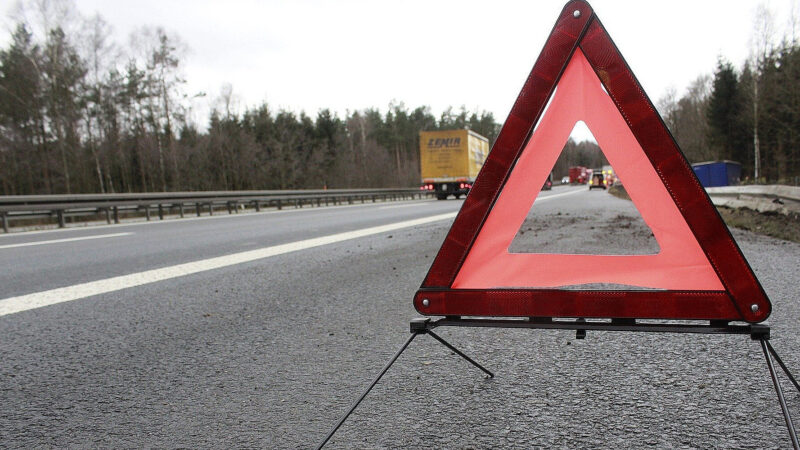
pixel 80 113
pixel 749 114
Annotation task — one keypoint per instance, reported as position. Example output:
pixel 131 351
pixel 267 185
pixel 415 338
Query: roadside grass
pixel 773 224
pixel 618 191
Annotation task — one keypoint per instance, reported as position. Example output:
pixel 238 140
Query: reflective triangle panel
pixel 681 263
pixel 700 273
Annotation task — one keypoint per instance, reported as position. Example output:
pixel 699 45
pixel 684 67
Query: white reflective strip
pixel 57 241
pixel 424 202
pixel 83 290
pixel 548 197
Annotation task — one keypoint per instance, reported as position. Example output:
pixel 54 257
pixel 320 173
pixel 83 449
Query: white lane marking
pixel 46 298
pixel 548 197
pixel 56 241
pixel 406 206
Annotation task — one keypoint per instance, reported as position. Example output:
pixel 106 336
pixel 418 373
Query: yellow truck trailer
pixel 450 160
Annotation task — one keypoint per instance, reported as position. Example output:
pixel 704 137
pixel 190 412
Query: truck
pixel 450 161
pixel 578 175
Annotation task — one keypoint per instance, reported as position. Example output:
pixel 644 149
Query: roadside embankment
pixel 776 222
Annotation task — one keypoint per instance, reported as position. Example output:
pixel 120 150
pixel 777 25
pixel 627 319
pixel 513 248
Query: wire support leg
pixel 783 366
pixel 374 382
pixel 459 353
pixel 786 416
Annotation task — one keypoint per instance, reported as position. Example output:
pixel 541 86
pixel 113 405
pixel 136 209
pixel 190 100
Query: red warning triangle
pixel 699 273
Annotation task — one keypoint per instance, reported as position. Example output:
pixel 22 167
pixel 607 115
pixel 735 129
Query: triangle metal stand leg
pixel 783 366
pixel 769 352
pixel 418 326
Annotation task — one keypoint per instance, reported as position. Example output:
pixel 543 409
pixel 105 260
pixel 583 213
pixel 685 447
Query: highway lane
pixel 160 244
pixel 270 352
pixel 80 255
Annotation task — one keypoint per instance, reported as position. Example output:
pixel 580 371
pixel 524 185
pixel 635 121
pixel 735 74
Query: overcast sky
pixel 353 54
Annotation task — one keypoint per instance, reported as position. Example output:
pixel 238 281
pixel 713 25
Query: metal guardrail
pixel 61 207
pixel 762 198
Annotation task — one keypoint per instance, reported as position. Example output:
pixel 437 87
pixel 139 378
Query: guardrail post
pixel 197 207
pixel 4 218
pixel 160 211
pixel 210 208
pixel 257 206
pixel 108 215
pixel 228 205
pixel 147 212
pixel 280 205
pixel 319 202
pixel 116 215
pixel 61 222
pixel 180 206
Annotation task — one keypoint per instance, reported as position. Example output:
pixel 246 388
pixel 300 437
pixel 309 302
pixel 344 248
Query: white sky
pixel 354 54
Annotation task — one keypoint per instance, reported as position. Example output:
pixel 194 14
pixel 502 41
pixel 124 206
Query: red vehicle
pixel 578 175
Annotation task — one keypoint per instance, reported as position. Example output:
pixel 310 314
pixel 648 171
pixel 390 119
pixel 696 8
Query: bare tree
pixel 760 47
pixel 161 54
pixel 98 52
pixel 44 16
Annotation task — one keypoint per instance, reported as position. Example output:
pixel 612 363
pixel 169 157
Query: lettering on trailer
pixel 444 142
pixel 699 273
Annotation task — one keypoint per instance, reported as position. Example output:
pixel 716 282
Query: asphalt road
pixel 269 352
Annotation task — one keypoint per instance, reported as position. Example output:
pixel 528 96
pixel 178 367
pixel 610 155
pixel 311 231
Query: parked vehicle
pixel 718 173
pixel 450 161
pixel 598 181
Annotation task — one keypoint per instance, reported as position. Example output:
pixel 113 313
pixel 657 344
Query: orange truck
pixel 450 161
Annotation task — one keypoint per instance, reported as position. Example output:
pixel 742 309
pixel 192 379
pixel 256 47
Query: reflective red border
pixel 681 305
